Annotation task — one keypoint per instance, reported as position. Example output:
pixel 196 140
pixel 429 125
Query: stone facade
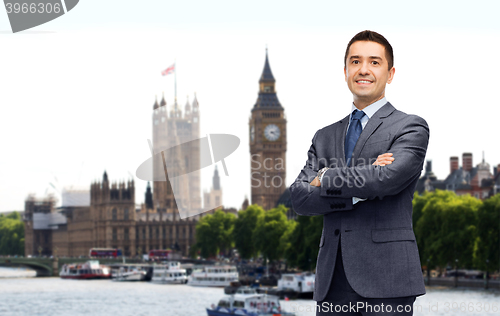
pixel 267 126
pixel 112 220
pixel 476 181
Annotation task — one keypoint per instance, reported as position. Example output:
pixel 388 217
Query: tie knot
pixel 357 115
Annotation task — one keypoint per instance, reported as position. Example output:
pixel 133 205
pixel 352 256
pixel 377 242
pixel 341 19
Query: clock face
pixel 272 132
pixel 252 133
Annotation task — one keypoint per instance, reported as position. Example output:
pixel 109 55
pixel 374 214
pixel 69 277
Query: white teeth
pixel 363 81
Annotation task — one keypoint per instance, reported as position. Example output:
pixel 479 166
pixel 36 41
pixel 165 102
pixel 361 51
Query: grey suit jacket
pixel 379 249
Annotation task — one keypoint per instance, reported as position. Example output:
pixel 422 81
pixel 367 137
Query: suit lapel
pixel 373 124
pixel 340 145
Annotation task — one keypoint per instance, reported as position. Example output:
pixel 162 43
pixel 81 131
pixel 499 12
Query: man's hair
pixel 372 37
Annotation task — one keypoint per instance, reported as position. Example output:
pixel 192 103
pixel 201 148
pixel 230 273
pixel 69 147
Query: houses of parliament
pixel 106 216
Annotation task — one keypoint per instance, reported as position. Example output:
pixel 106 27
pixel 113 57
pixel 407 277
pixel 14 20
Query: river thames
pixel 54 296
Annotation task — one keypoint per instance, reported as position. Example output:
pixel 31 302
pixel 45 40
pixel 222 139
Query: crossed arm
pixel 364 181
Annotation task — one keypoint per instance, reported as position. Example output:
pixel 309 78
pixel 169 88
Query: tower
pixel 112 215
pixel 267 127
pixel 170 130
pixel 213 198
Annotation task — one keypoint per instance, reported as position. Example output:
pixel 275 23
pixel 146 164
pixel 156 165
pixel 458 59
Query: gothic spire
pixel 163 102
pixel 155 106
pixel 267 74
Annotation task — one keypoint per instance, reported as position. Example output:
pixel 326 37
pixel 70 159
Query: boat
pixel 88 270
pixel 300 283
pixel 128 273
pixel 292 285
pixel 214 276
pixel 248 304
pixel 169 273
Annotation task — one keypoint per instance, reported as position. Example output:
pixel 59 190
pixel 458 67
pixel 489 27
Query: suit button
pixel 337 232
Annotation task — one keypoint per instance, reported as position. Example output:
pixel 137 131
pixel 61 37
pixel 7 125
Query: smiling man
pixel 361 174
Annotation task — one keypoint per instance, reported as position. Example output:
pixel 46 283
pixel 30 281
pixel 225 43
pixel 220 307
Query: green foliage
pixel 419 202
pixel 304 241
pixel 213 233
pixel 487 246
pixel 244 226
pixel 11 234
pixel 446 228
pixel 270 228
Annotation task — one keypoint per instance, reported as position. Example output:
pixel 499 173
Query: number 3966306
pixel 33 7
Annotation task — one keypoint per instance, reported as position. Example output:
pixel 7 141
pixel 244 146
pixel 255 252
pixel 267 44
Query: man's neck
pixel 361 104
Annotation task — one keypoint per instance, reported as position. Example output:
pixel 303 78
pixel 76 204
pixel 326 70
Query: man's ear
pixel 345 74
pixel 391 74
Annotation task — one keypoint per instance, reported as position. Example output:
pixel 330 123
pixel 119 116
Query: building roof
pixel 267 101
pixel 267 74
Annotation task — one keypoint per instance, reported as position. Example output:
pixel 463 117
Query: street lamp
pixel 428 271
pixel 456 272
pixel 486 275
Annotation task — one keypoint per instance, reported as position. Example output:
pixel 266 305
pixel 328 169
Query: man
pixel 361 174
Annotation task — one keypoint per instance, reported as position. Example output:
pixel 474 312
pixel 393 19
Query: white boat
pixel 297 282
pixel 88 270
pixel 249 304
pixel 170 272
pixel 128 273
pixel 214 276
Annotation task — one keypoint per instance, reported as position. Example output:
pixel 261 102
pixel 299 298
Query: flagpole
pixel 175 80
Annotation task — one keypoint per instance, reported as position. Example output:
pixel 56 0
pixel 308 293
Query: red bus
pixel 157 254
pixel 104 252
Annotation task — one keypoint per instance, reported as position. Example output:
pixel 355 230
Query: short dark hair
pixel 372 37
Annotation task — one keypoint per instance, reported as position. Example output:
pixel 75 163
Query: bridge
pixel 51 266
pixel 46 267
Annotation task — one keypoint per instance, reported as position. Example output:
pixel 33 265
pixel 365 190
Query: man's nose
pixel 364 70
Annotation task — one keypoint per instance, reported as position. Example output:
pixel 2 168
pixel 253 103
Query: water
pixel 54 296
pixel 16 272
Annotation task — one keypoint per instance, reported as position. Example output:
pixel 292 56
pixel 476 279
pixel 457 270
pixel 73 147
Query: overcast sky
pixel 77 92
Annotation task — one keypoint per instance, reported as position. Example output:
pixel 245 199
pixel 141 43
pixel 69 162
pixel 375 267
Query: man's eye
pixel 375 62
pixel 355 61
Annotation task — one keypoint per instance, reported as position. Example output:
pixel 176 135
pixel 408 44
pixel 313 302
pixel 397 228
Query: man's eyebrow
pixel 371 57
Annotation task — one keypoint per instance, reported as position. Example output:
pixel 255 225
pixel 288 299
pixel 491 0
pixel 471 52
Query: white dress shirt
pixel 369 112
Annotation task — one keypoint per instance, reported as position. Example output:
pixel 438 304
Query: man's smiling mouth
pixel 363 81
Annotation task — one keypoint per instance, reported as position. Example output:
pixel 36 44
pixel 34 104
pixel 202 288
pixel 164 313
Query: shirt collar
pixel 370 109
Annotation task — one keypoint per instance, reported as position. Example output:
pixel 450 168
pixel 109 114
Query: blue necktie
pixel 353 133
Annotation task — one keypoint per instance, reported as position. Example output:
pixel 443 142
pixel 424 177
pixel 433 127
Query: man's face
pixel 366 72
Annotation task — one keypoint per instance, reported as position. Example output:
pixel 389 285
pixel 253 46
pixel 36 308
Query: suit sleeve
pixel 306 199
pixel 368 181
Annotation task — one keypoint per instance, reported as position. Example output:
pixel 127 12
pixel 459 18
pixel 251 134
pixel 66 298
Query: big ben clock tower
pixel 267 127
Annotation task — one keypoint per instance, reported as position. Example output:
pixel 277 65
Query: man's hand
pixel 382 160
pixel 315 182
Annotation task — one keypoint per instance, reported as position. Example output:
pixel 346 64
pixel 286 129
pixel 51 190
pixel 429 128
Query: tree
pixel 244 227
pixel 270 229
pixel 487 251
pixel 11 234
pixel 419 202
pixel 304 242
pixel 213 233
pixel 446 230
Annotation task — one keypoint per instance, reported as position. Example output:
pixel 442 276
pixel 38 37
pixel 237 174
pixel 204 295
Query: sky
pixel 77 93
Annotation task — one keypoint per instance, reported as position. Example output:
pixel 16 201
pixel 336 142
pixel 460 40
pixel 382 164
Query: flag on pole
pixel 168 71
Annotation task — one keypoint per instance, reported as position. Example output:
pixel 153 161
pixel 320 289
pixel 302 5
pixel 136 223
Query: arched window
pixel 114 214
pixel 125 214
